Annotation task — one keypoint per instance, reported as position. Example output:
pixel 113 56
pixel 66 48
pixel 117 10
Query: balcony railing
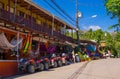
pixel 31 25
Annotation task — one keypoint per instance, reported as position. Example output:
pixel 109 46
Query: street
pixel 96 69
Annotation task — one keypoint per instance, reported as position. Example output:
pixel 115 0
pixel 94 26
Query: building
pixel 23 17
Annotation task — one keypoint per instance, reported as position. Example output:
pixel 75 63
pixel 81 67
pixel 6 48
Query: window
pixel 28 17
pixel 22 14
pixel 38 21
pixel 34 20
pixel 1 5
pixel 11 9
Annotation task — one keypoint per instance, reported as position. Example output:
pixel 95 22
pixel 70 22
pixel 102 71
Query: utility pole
pixel 78 15
pixel 77 22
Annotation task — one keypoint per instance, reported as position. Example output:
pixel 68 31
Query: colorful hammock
pixel 4 43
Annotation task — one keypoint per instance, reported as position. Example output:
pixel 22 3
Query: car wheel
pixel 31 69
pixel 66 62
pixel 46 66
pixel 41 68
pixel 55 64
pixel 59 63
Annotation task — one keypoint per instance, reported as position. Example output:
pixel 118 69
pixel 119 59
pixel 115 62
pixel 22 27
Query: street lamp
pixel 78 15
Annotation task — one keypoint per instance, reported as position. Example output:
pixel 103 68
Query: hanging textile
pixel 27 44
pixel 35 52
pixel 5 44
pixel 47 44
pixel 38 48
pixel 91 47
pixel 51 49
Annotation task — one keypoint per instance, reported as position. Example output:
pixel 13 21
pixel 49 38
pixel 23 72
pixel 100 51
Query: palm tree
pixel 115 26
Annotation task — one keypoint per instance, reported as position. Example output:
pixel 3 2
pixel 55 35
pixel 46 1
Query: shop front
pixel 8 65
pixel 8 57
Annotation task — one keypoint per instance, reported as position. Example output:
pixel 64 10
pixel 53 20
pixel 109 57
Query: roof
pixel 88 41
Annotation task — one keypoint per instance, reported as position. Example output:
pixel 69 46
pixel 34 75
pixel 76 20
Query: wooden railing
pixel 31 25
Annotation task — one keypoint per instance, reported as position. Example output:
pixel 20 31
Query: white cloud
pixel 94 27
pixel 94 16
pixel 85 27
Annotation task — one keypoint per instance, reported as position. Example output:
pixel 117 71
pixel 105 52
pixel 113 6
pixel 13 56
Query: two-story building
pixel 21 18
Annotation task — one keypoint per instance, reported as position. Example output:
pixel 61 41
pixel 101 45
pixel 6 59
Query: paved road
pixel 97 69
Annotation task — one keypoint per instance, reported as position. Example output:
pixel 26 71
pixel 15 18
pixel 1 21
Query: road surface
pixel 96 69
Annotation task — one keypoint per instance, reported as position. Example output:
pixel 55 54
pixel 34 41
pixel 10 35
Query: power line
pixel 53 1
pixel 58 11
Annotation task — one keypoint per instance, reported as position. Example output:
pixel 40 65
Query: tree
pixel 97 35
pixel 113 8
pixel 117 42
pixel 67 33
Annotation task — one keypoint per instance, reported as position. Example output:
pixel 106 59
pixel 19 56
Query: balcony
pixel 31 25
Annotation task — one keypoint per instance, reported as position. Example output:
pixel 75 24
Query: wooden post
pixel 72 33
pixel 31 19
pixel 9 6
pixel 52 24
pixel 18 35
pixel 15 7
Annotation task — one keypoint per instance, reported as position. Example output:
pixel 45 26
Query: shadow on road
pixel 25 74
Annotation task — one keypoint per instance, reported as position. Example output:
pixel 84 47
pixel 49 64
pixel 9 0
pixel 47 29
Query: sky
pixel 94 14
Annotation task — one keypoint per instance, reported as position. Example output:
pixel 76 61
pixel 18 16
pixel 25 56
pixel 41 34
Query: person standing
pixel 73 56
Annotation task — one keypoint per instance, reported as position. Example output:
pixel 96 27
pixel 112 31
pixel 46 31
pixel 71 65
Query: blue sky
pixel 93 12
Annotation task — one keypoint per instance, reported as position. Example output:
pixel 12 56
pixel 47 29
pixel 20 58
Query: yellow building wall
pixel 5 2
pixel 39 19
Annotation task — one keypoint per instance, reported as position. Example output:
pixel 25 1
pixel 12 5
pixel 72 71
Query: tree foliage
pixel 97 35
pixel 112 39
pixel 113 8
